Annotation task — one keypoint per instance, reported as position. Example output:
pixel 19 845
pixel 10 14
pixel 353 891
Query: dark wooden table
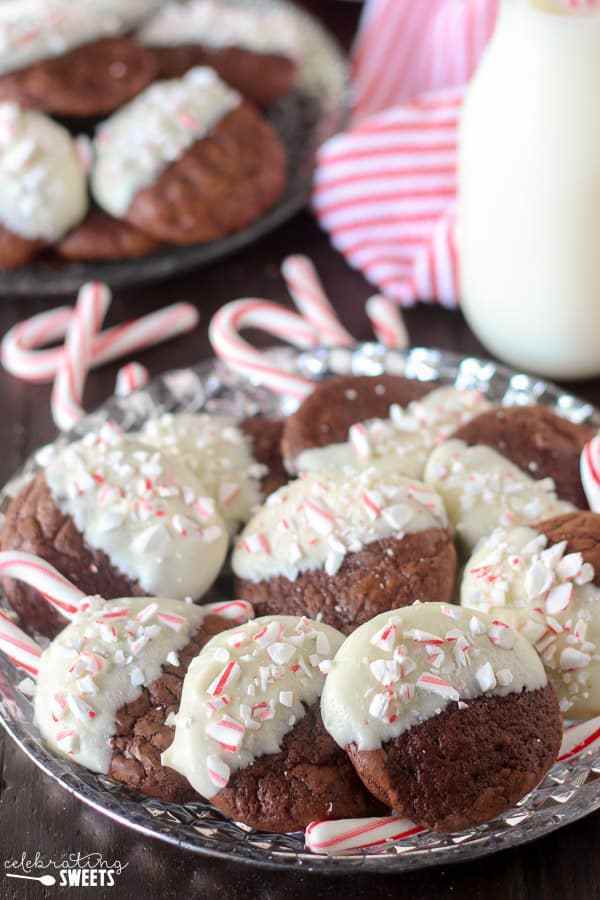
pixel 37 815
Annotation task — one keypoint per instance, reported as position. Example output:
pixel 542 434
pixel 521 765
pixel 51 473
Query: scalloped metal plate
pixel 570 791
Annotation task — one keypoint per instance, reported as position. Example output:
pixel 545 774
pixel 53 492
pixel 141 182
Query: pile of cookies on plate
pixel 174 96
pixel 352 666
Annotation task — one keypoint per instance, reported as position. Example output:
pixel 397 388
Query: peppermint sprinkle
pixel 437 685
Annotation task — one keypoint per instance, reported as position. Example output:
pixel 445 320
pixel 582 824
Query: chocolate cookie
pixel 91 80
pixel 101 237
pixel 262 78
pixel 401 443
pixel 544 580
pixel 43 190
pixel 117 518
pixel 188 161
pixel 220 185
pixel 465 767
pixel 252 48
pixel 109 686
pixel 265 435
pixel 308 779
pixel 141 730
pixel 346 549
pixel 447 716
pixel 249 736
pixel 35 524
pixel 537 441
pixel 326 416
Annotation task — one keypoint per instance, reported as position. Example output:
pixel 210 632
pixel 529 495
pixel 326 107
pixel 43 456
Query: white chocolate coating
pixel 218 453
pixel 99 663
pixel 43 190
pixel 218 25
pixel 313 522
pixel 482 490
pixel 549 597
pixel 404 667
pixel 135 144
pixel 401 443
pixel 33 30
pixel 244 692
pixel 146 511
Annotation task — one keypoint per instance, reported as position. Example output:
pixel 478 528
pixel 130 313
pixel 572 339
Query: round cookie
pixel 401 443
pixel 346 549
pixel 110 684
pixel 538 441
pixel 253 54
pixel 249 736
pixel 101 237
pixel 117 518
pixel 188 161
pixel 218 453
pixel 482 490
pixel 447 718
pixel 325 417
pixel 43 189
pixel 70 58
pixel 544 581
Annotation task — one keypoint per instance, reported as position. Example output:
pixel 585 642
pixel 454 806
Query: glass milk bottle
pixel 529 190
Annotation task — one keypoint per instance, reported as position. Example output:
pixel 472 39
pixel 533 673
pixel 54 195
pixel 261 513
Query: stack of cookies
pixel 174 96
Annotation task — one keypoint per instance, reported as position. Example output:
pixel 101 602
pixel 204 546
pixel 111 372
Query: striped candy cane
pixel 309 296
pixel 92 305
pixel 39 574
pixel 19 647
pixel 387 322
pixel 21 355
pixel 239 611
pixel 130 378
pixel 345 835
pixel 241 357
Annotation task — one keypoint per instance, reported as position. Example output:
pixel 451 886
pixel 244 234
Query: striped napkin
pixel 386 189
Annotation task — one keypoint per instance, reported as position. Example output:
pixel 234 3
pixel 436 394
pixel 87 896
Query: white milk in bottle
pixel 529 190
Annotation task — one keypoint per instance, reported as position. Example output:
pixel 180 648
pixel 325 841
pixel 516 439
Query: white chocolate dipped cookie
pixel 118 518
pixel 213 24
pixel 187 160
pixel 404 441
pixel 33 30
pixel 482 490
pixel 540 580
pixel 447 717
pixel 248 734
pixel 218 453
pixel 346 548
pixel 108 683
pixel 134 146
pixel 146 511
pixel 42 180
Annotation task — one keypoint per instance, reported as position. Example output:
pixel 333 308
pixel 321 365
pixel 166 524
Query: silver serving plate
pixel 309 115
pixel 571 790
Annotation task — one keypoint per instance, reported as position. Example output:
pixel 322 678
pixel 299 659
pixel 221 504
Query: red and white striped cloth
pixel 386 189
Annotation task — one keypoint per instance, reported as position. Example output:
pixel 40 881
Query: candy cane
pixel 239 611
pixel 39 574
pixel 20 354
pixel 240 356
pixel 344 835
pixel 590 472
pixel 579 739
pixel 131 378
pixel 92 305
pixel 19 647
pixel 387 322
pixel 309 296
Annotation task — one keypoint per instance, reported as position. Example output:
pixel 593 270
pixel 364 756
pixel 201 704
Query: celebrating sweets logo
pixel 73 870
